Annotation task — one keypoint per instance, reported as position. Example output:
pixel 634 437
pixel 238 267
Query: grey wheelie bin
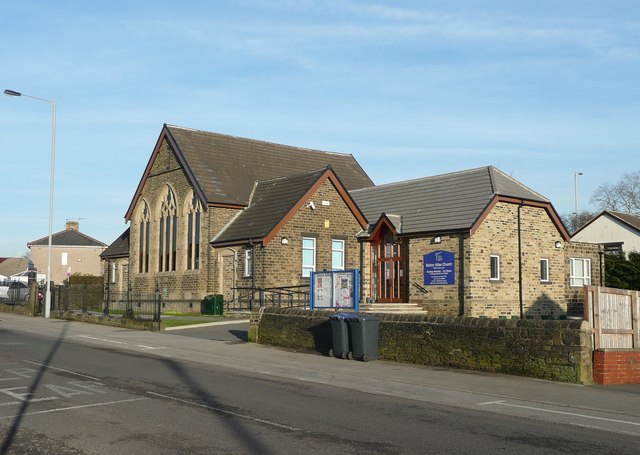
pixel 340 333
pixel 364 337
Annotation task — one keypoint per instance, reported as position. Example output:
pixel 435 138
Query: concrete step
pixel 391 308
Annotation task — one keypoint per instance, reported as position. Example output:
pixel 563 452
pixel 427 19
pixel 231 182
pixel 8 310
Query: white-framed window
pixel 337 254
pixel 308 256
pixel 248 262
pixel 580 273
pixel 544 270
pixel 64 259
pixel 114 268
pixel 494 261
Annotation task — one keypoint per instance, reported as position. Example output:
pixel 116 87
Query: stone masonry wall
pixel 556 350
pixel 182 286
pixel 498 235
pixel 441 300
pixel 281 265
pixel 575 294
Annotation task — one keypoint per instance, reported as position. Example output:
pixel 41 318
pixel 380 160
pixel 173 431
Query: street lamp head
pixel 12 93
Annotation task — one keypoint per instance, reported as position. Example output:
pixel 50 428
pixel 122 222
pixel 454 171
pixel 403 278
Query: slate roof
pixel 271 200
pixel 224 168
pixel 11 266
pixel 441 203
pixel 119 248
pixel 68 237
pixel 629 219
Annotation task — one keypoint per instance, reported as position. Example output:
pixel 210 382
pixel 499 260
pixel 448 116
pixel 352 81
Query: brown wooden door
pixel 388 276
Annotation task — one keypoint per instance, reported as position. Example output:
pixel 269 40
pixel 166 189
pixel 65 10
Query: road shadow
pixel 207 400
pixel 22 412
pixel 242 335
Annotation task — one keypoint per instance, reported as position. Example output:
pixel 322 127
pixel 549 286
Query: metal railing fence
pixel 248 298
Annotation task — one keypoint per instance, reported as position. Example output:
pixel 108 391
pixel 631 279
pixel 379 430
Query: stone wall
pixel 181 285
pixel 555 350
pixel 498 235
pixel 278 264
pixel 575 294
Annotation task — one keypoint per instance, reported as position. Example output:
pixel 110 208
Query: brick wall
pixel 616 366
pixel 556 350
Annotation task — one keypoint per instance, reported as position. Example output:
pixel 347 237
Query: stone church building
pixel 215 214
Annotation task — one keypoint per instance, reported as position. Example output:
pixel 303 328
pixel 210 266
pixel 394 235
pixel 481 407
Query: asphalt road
pixel 72 388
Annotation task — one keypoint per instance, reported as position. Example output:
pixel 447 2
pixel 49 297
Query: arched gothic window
pixel 193 233
pixel 168 232
pixel 143 246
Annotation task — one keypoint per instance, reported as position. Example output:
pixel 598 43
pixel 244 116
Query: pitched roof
pixel 272 201
pixel 447 202
pixel 629 219
pixel 11 266
pixel 119 248
pixel 223 168
pixel 68 237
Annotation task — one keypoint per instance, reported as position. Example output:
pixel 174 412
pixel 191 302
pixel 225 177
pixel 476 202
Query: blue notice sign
pixel 439 268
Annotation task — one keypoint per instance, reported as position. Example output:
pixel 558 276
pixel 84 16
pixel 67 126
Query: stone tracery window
pixel 193 233
pixel 168 232
pixel 143 245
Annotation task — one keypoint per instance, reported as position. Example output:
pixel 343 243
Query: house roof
pixel 444 203
pixel 119 248
pixel 68 237
pixel 631 220
pixel 274 201
pixel 223 168
pixel 11 266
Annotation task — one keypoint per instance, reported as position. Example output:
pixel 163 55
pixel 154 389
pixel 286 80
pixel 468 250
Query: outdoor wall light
pixel 284 241
pixel 437 239
pixel 558 244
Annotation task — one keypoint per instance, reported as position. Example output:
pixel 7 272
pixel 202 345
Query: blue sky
pixel 539 89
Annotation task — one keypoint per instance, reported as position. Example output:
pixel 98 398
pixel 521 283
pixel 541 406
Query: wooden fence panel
pixel 613 314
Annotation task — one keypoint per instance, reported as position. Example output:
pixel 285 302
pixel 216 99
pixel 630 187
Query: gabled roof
pixel 119 248
pixel 272 204
pixel 447 202
pixel 631 220
pixel 11 266
pixel 222 169
pixel 68 237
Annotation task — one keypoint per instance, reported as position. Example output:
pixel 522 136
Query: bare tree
pixel 622 196
pixel 574 222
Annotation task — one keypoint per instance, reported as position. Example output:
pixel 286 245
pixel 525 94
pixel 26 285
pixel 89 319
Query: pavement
pixel 616 408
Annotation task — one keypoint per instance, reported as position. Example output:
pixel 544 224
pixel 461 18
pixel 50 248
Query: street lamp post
pixel 575 183
pixel 47 306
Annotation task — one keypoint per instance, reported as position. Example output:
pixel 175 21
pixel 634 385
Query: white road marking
pixel 61 369
pixel 150 347
pixel 572 414
pixel 207 324
pixel 71 408
pixel 224 411
pixel 491 402
pixel 10 403
pixel 101 339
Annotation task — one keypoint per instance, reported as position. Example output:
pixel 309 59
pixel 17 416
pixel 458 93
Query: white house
pixel 619 232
